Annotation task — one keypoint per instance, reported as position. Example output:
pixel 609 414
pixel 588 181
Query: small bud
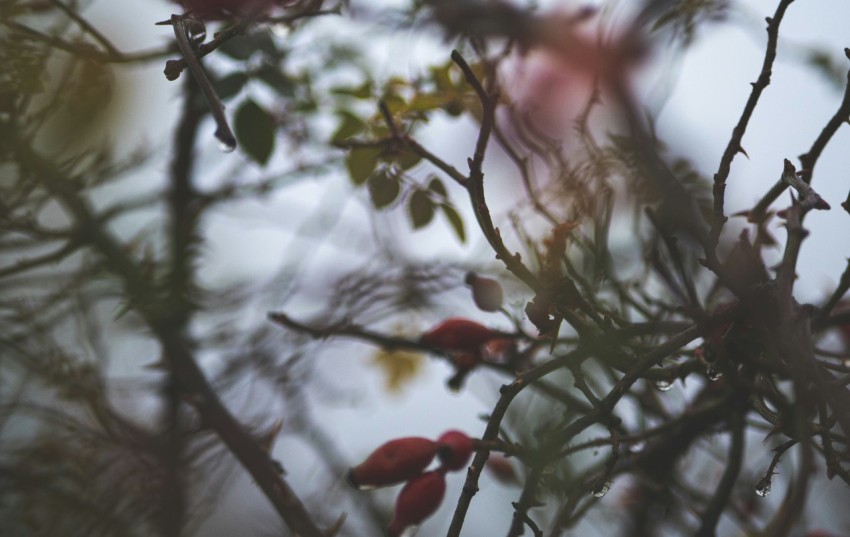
pixel 486 293
pixel 418 500
pixel 394 462
pixel 455 450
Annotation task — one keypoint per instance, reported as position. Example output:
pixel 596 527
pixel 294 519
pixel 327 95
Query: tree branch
pixel 734 146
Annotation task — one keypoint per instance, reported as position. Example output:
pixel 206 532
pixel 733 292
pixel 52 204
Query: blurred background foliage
pixel 127 256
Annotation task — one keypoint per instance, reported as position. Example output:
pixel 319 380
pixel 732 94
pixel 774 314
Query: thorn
pixel 743 151
pixel 789 168
pixel 267 439
pixel 334 529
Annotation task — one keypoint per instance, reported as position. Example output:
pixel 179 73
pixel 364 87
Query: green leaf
pixel 349 125
pixel 425 102
pixel 255 130
pixel 407 159
pixel 230 85
pixel 442 77
pixel 455 220
pixel 361 162
pixel 436 185
pixel 242 47
pixel 383 187
pixel 276 79
pixel 395 104
pixel 264 41
pixel 238 48
pixel 363 91
pixel 421 209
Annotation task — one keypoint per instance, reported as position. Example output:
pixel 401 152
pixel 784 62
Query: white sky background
pixel 707 96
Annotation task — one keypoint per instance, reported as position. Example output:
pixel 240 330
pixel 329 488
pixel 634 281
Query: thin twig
pixel 84 24
pixel 526 501
pixel 836 296
pixel 717 504
pixel 222 132
pixel 734 146
pixel 476 180
pixel 810 158
pixel 508 393
pixel 144 297
pixel 87 50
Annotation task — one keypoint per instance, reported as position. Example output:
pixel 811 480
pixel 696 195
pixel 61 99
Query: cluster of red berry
pixel 405 459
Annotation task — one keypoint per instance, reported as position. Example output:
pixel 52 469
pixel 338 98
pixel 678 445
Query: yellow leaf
pixel 399 367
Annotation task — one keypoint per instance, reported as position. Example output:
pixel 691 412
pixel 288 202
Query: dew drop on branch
pixel 713 373
pixel 601 488
pixel 280 30
pixel 763 487
pixel 226 147
pixel 663 385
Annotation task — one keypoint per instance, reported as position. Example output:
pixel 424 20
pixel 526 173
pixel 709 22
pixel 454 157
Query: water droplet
pixel 352 482
pixel 226 147
pixel 714 373
pixel 196 31
pixel 663 385
pixel 601 488
pixel 280 30
pixel 638 446
pixel 410 531
pixel 763 487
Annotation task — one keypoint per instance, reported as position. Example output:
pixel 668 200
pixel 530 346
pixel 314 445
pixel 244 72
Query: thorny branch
pixel 624 327
pixel 809 159
pixel 476 179
pixel 734 146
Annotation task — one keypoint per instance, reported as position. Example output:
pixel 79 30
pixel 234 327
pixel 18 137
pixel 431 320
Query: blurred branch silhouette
pixel 137 385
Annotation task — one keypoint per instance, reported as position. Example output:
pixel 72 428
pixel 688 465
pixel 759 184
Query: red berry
pixel 455 450
pixel 394 462
pixel 458 334
pixel 502 350
pixel 418 500
pixel 486 293
pixel 463 339
pixel 502 470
